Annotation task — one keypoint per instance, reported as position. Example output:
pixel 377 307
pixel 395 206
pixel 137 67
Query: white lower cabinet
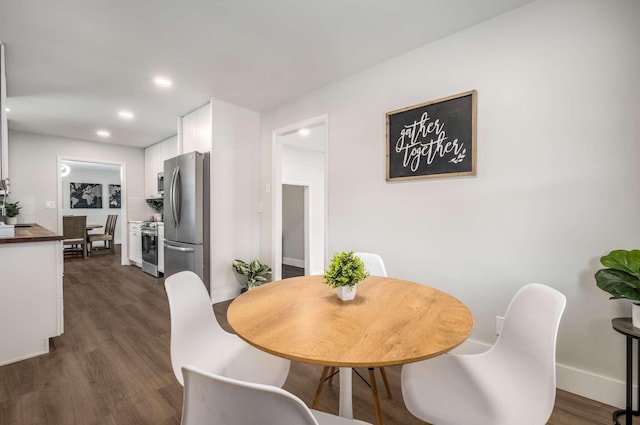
pixel 135 244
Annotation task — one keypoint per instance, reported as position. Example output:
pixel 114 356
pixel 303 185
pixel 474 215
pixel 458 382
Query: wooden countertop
pixel 34 233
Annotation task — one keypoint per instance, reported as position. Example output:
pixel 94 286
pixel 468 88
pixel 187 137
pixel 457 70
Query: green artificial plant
pixel 255 272
pixel 12 210
pixel 156 205
pixel 345 269
pixel 622 277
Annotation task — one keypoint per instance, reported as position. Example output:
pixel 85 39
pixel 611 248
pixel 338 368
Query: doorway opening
pixel 300 160
pixel 111 178
pixel 295 229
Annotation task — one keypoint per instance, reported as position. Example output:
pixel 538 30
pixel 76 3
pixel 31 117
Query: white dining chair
pixel 514 382
pixel 211 399
pixel 197 338
pixel 375 266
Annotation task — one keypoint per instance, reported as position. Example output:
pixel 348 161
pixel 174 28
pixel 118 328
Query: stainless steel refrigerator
pixel 186 215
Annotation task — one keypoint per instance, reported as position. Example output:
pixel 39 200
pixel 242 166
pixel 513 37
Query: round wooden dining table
pixel 390 322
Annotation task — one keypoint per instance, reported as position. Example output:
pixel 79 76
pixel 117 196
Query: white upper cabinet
pixel 197 130
pixel 154 157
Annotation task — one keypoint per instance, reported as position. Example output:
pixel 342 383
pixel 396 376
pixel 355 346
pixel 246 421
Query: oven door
pixel 150 251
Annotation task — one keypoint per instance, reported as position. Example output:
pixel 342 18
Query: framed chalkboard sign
pixel 433 139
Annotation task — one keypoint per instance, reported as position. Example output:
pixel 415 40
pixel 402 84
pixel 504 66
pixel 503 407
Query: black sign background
pixel 433 139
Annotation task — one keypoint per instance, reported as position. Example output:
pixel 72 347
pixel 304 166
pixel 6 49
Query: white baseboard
pixel 590 385
pixel 293 262
pixel 36 353
pixel 577 381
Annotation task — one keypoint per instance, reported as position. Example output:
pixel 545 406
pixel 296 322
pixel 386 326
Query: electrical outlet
pixel 49 204
pixel 499 324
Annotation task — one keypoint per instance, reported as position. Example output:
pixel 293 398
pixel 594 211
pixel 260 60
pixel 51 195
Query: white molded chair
pixel 197 338
pixel 514 382
pixel 373 263
pixel 375 266
pixel 210 399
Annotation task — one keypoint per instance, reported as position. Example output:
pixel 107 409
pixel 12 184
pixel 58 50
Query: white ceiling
pixel 71 65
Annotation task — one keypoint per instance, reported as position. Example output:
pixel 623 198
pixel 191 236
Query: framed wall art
pixel 114 196
pixel 85 195
pixel 433 139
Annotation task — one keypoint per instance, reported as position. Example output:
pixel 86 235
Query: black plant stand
pixel 626 328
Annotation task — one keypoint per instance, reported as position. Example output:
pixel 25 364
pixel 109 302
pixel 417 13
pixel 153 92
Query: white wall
pixel 33 161
pixel 94 215
pixel 293 225
pixel 558 181
pixel 235 162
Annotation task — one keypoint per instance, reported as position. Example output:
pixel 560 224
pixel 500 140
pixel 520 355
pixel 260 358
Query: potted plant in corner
pixel 344 272
pixel 12 212
pixel 622 278
pixel 255 272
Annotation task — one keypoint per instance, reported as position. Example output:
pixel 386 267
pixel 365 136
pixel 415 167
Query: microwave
pixel 161 183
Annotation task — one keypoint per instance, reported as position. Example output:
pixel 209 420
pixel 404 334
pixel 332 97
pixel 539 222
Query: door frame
pixel 124 239
pixel 276 184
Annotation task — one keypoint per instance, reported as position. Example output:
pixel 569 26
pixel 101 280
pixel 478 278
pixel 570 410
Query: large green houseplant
pixel 255 272
pixel 621 278
pixel 344 272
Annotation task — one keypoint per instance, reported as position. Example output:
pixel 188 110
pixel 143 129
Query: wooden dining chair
pixel 375 266
pixel 107 237
pixel 74 233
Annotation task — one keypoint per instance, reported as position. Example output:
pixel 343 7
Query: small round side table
pixel 626 328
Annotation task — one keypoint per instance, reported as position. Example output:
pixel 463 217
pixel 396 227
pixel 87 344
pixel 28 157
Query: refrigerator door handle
pixel 175 201
pixel 167 244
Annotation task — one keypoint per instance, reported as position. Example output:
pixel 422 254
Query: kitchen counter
pixel 31 292
pixel 33 233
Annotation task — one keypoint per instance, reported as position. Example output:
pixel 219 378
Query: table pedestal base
pixel 346 406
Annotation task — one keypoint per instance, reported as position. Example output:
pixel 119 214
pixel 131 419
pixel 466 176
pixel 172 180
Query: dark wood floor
pixel 112 365
pixel 291 271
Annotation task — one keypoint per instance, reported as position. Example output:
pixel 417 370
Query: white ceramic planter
pixel 346 293
pixel 12 220
pixel 635 315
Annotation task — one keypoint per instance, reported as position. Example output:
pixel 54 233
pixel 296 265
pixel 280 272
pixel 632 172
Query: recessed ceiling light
pixel 125 115
pixel 304 132
pixel 64 170
pixel 162 82
pixel 7 109
pixel 103 133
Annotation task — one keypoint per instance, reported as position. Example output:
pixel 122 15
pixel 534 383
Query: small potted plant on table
pixel 622 278
pixel 344 272
pixel 255 272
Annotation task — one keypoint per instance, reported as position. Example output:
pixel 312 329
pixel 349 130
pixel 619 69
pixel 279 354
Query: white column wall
pixel 235 162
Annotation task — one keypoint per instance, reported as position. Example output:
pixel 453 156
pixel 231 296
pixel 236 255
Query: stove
pixel 149 234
